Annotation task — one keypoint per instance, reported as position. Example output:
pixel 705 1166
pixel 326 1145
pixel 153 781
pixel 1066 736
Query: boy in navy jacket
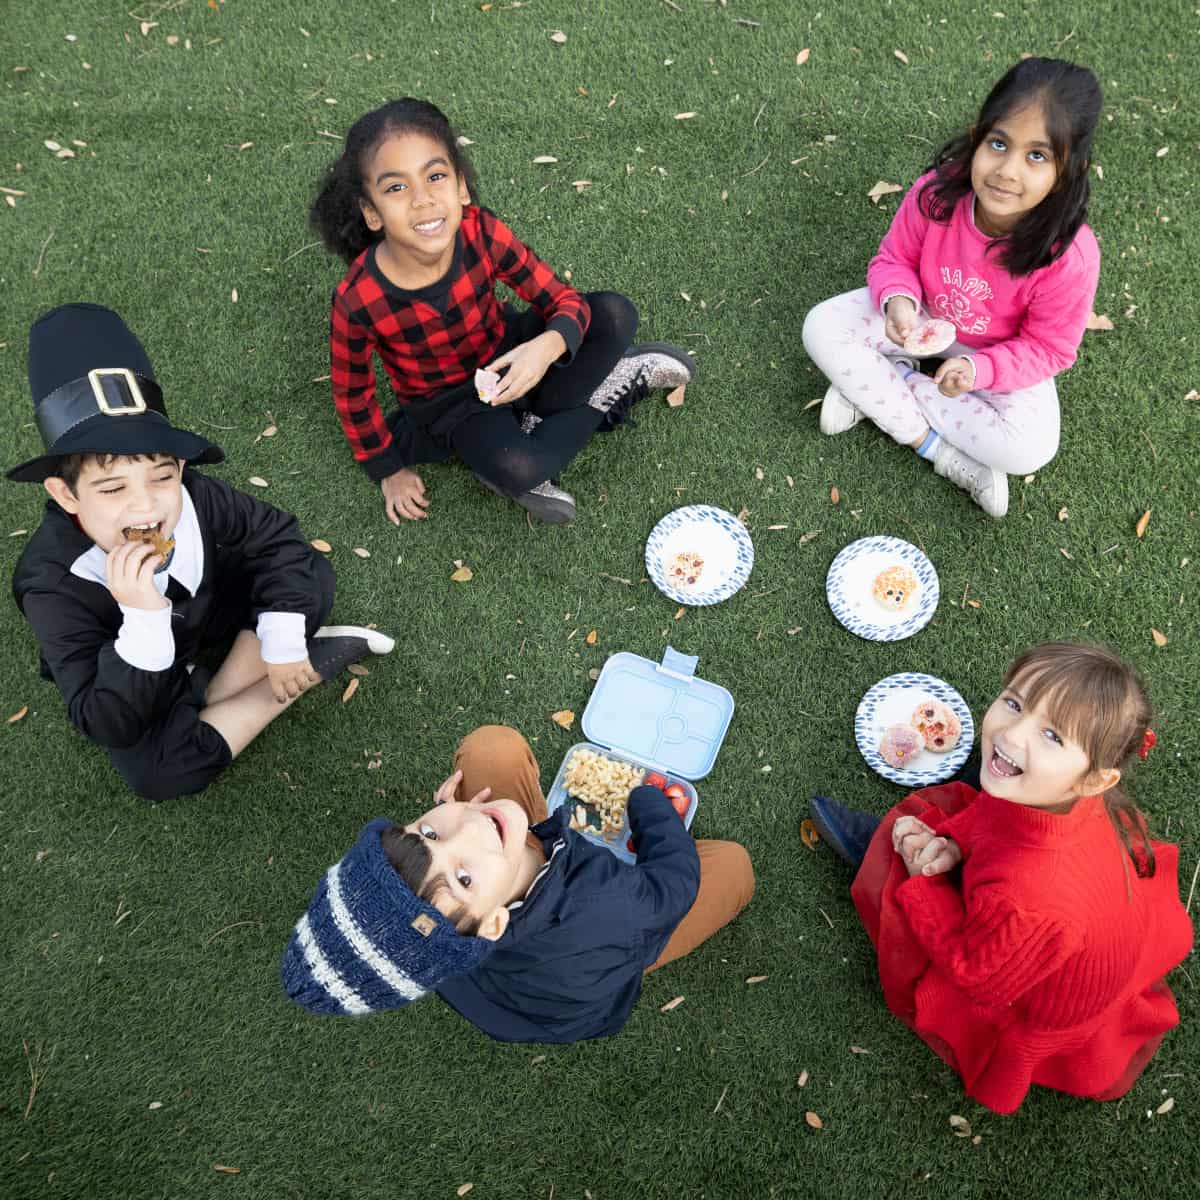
pixel 520 924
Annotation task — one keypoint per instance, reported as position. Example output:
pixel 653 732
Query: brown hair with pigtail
pixel 1099 701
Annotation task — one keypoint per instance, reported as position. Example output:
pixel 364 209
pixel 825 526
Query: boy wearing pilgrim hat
pixel 141 563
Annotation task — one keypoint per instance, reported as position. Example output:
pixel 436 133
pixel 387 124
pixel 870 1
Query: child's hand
pixel 130 572
pixel 526 364
pixel 901 319
pixel 448 792
pixel 955 376
pixel 289 680
pixel 923 851
pixel 404 496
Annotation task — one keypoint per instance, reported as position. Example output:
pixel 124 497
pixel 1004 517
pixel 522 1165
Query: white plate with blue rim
pixel 892 702
pixel 699 555
pixel 850 589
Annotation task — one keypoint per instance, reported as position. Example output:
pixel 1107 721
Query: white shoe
pixel 377 643
pixel 987 486
pixel 837 413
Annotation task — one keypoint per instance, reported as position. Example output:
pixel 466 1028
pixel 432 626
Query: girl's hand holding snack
pixel 901 315
pixel 289 680
pixel 404 496
pixel 526 364
pixel 130 572
pixel 923 851
pixel 955 376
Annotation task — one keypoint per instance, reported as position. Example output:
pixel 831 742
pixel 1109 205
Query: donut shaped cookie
pixel 895 587
pixel 900 744
pixel 937 724
pixel 930 337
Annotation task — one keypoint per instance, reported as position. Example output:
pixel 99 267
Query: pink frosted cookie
pixel 937 724
pixel 486 383
pixel 930 337
pixel 900 744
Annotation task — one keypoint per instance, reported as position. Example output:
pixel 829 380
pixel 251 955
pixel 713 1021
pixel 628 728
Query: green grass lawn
pixel 140 953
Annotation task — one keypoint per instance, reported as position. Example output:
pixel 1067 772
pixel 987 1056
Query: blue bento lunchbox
pixel 659 716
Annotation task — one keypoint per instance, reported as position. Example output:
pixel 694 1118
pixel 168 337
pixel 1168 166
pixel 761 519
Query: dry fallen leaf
pixel 1102 321
pixel 321 544
pixel 1166 1106
pixel 19 714
pixel 41 856
pixel 173 40
pixel 960 1125
pixel 358 669
pixel 564 718
pixel 1062 513
pixel 52 145
pixel 362 552
pixel 801 1079
pixel 258 481
pixel 234 296
pixel 581 184
pixel 834 495
pixel 743 513
pixel 755 978
pixel 675 398
pixel 1065 552
pixel 881 189
pixel 670 1004
pixel 808 834
pixel 808 537
pixel 859 1050
pixel 270 431
pixel 686 116
pixel 901 56
pixel 227 1170
pixel 591 638
pixel 1143 521
pixel 802 57
pixel 679 612
pixel 814 1122
pixel 1160 639
pixel 462 575
pixel 1161 152
pixel 351 688
pixel 558 37
pixel 463 1189
pixel 758 473
pixel 146 26
pixel 974 604
pixel 545 158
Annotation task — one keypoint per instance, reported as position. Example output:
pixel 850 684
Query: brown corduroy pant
pixel 498 757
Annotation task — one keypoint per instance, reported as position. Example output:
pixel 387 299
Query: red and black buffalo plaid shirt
pixel 435 337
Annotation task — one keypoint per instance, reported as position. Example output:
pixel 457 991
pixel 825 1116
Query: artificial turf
pixel 141 943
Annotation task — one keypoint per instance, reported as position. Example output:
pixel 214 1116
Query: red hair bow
pixel 1147 744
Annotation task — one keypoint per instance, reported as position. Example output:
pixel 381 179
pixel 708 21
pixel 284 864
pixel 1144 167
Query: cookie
pixel 937 724
pixel 486 383
pixel 900 744
pixel 162 545
pixel 930 337
pixel 895 587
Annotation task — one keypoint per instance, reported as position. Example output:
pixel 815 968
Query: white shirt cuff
pixel 145 640
pixel 282 637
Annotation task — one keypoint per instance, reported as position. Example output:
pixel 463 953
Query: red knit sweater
pixel 1042 961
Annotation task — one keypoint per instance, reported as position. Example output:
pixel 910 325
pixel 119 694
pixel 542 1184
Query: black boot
pixel 846 831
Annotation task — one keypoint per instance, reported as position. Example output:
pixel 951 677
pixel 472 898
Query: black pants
pixel 490 441
pixel 181 754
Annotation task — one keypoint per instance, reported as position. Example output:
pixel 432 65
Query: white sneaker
pixel 837 413
pixel 987 486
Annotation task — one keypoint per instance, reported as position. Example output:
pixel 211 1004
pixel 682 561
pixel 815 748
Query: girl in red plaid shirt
pixel 398 206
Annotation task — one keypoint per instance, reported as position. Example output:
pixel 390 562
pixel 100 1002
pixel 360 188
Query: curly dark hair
pixel 1071 99
pixel 336 213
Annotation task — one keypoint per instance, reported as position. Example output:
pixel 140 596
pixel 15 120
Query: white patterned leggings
pixel 1014 432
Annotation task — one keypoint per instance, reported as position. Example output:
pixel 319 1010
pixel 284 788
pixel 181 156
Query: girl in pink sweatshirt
pixel 991 240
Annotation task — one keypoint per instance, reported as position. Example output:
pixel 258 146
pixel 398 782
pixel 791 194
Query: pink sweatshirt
pixel 1022 330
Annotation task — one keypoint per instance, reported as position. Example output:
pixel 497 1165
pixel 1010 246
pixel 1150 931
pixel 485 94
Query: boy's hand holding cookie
pixel 289 680
pixel 129 569
pixel 900 319
pixel 404 496
pixel 955 376
pixel 923 851
pixel 526 364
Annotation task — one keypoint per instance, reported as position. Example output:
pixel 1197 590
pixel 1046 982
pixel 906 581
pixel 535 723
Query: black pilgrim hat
pixel 94 392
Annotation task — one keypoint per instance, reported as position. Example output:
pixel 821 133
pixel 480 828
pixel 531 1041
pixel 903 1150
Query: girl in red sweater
pixel 1024 931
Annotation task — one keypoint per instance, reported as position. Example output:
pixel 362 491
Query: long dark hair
pixel 335 213
pixel 1098 700
pixel 1071 100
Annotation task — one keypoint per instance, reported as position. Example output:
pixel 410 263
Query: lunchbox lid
pixel 660 714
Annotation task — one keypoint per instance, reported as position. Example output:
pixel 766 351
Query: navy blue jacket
pixel 569 966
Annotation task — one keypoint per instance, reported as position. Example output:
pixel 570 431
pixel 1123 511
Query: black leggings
pixel 490 441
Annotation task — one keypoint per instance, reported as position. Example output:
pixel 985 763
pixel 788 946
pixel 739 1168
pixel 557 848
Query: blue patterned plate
pixel 852 576
pixel 710 534
pixel 891 701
